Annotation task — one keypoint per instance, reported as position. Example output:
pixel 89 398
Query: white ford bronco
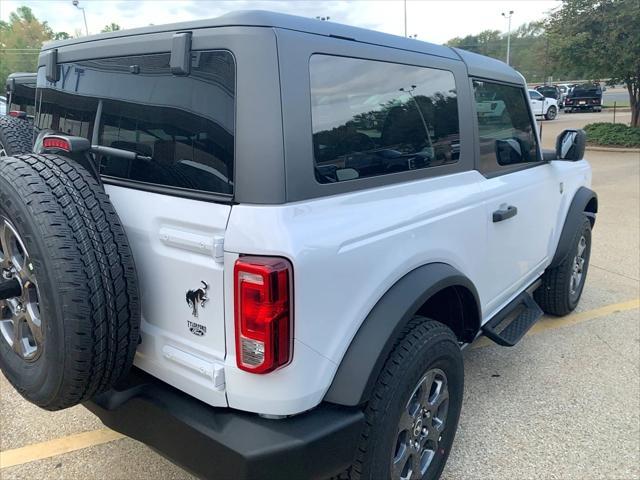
pixel 259 243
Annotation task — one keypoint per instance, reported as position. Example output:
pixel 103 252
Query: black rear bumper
pixel 222 443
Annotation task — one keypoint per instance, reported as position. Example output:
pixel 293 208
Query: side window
pixel 374 118
pixel 535 95
pixel 507 136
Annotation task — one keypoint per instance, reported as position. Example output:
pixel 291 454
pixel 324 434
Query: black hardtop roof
pixel 21 78
pixel 478 65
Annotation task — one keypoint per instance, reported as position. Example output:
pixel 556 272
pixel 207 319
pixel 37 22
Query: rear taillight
pixel 56 143
pixel 17 114
pixel 263 313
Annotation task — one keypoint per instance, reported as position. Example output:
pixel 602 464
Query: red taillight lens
pixel 17 114
pixel 56 143
pixel 263 313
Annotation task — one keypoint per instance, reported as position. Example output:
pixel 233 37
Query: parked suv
pixel 290 228
pixel 16 127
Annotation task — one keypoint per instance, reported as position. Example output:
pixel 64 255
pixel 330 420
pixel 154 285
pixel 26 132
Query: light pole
pixel 424 122
pixel 405 18
pixel 508 17
pixel 84 16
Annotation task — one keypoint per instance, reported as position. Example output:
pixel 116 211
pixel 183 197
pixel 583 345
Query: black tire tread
pixel 553 293
pixel 417 332
pixel 96 272
pixel 16 134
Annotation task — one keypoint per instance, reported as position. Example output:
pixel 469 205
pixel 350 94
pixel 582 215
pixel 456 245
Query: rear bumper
pixel 223 443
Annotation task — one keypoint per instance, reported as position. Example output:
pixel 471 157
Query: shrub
pixel 612 134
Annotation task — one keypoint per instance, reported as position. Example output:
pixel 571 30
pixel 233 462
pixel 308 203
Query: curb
pixel 612 149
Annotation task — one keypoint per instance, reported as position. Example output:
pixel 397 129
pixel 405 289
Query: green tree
pixel 20 41
pixel 603 36
pixel 112 27
pixel 527 48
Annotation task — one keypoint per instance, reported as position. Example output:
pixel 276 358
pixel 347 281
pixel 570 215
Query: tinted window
pixel 373 118
pixel 506 132
pixel 550 92
pixel 586 91
pixel 185 125
pixel 23 98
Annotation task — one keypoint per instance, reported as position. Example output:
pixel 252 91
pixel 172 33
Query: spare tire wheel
pixel 69 301
pixel 16 136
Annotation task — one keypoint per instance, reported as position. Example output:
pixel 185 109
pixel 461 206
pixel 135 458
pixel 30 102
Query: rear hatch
pixel 174 201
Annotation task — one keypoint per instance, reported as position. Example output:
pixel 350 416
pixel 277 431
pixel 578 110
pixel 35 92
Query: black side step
pixel 512 322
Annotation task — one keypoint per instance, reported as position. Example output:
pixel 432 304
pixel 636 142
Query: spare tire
pixel 71 328
pixel 16 136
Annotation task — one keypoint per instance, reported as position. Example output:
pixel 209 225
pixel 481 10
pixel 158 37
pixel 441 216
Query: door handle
pixel 503 214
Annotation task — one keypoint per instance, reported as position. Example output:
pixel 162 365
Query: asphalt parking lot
pixel 562 404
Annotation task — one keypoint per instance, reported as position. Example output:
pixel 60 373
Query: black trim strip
pixel 173 191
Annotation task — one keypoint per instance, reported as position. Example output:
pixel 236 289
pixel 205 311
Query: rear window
pixel 23 98
pixel 184 124
pixel 374 118
pixel 586 91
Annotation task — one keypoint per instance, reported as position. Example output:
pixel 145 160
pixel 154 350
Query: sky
pixel 434 21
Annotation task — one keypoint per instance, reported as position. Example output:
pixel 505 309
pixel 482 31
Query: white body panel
pixel 173 245
pixel 540 104
pixel 348 250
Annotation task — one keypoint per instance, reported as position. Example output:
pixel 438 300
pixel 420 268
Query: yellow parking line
pixel 71 443
pixel 58 446
pixel 550 323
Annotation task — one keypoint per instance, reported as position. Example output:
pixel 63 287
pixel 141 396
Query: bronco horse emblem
pixel 199 296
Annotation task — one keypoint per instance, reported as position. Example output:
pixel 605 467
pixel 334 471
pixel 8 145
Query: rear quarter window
pixel 373 118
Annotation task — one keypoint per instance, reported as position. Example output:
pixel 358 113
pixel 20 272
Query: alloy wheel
pixel 578 267
pixel 20 319
pixel 421 426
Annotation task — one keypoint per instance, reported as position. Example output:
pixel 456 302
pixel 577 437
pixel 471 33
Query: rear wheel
pixel 412 418
pixel 551 113
pixel 16 136
pixel 69 303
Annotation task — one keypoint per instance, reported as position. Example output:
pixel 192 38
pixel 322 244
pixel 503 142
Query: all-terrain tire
pixel 16 136
pixel 425 344
pixel 86 280
pixel 555 295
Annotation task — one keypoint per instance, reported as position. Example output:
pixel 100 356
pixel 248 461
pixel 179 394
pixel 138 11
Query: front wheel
pixel 412 418
pixel 562 285
pixel 551 113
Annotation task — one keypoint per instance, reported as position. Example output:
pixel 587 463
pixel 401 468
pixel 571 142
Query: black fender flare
pixel 359 369
pixel 585 202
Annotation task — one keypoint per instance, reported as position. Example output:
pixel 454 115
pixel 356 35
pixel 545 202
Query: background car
pixel 3 106
pixel 552 91
pixel 544 106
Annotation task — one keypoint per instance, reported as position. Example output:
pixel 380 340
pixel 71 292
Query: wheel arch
pixel 585 202
pixel 433 290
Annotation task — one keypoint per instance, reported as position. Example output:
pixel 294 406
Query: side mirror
pixel 343 174
pixel 509 152
pixel 570 145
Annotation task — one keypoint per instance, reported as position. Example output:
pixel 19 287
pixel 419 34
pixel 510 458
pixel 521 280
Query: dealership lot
pixel 562 404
